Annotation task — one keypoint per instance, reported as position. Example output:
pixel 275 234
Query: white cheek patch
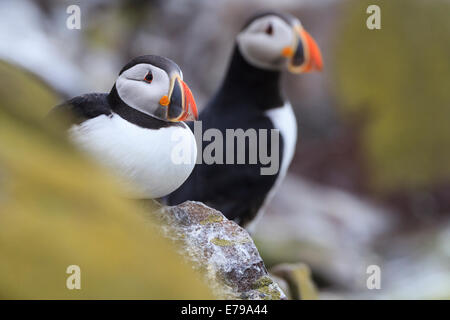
pixel 264 50
pixel 139 94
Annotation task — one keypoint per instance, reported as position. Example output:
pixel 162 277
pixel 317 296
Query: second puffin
pixel 251 98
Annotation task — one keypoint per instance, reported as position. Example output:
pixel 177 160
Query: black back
pixel 92 105
pixel 237 190
pixel 81 108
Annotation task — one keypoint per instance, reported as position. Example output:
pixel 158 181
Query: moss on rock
pixel 212 219
pixel 222 242
pixel 264 285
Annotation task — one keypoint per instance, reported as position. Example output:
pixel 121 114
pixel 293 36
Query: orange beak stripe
pixel 314 60
pixel 190 107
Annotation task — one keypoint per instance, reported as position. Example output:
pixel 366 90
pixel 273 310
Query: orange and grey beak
pixel 180 102
pixel 307 56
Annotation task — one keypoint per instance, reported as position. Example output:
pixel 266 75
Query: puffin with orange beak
pixel 137 130
pixel 251 97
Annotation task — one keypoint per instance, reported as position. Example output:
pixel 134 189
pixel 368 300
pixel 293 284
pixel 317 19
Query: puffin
pixel 251 97
pixel 137 129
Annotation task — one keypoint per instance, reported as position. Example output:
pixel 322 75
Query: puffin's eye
pixel 269 29
pixel 149 77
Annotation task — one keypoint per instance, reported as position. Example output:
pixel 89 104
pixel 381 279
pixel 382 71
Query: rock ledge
pixel 221 250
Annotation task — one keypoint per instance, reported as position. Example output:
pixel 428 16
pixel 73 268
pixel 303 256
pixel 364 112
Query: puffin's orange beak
pixel 314 56
pixel 180 104
pixel 307 56
pixel 190 107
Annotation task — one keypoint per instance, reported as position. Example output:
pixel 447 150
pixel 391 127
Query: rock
pixel 221 250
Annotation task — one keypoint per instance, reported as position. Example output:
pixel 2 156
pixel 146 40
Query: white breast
pixel 283 119
pixel 148 160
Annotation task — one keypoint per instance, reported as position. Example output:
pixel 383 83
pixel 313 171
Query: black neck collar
pixel 255 86
pixel 134 116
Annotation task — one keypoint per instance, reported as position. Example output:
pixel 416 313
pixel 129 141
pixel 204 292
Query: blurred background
pixel 370 181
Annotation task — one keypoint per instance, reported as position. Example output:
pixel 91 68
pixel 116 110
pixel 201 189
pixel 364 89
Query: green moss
pixel 262 285
pixel 264 281
pixel 226 243
pixel 273 293
pixel 35 101
pixel 212 219
pixel 222 242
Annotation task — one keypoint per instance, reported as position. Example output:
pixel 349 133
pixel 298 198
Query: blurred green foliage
pixel 24 93
pixel 400 76
pixel 58 209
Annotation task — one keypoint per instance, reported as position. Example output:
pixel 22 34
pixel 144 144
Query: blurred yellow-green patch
pixel 58 209
pixel 401 76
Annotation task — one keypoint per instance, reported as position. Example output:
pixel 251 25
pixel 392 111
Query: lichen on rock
pixel 220 250
pixel 212 218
